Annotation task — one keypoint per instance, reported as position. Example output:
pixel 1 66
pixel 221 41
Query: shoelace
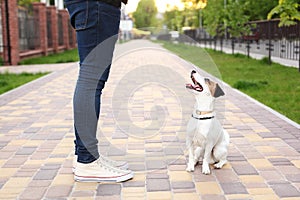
pixel 109 168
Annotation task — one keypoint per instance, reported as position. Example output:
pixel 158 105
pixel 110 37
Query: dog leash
pixel 202 118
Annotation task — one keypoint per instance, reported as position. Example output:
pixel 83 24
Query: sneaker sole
pixel 118 179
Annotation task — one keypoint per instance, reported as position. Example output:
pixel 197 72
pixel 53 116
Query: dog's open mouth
pixel 196 85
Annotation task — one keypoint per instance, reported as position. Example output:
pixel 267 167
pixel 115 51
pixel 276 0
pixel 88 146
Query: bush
pixel 265 60
pixel 246 85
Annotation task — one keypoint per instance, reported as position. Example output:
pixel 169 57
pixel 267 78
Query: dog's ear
pixel 218 91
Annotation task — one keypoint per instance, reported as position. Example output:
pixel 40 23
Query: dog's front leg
pixel 191 163
pixel 207 158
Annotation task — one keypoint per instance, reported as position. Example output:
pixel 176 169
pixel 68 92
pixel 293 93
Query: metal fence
pixel 49 32
pixel 29 36
pixel 267 39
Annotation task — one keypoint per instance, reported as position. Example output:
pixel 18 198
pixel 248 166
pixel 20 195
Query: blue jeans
pixel 97 26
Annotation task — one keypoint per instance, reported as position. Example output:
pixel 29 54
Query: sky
pixel 161 5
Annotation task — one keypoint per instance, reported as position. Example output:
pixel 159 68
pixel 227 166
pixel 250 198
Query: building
pixel 58 3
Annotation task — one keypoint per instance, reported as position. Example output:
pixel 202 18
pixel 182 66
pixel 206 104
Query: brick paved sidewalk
pixel 145 109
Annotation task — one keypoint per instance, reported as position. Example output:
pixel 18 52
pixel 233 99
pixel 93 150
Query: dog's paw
pixel 219 165
pixel 190 168
pixel 205 169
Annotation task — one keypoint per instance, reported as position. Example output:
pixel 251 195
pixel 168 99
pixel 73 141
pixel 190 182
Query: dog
pixel 206 138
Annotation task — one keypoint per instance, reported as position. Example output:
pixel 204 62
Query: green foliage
pixel 10 81
pixel 214 21
pixel 288 11
pixel 230 16
pixel 176 19
pixel 265 60
pixel 257 10
pixel 26 3
pixel 249 84
pixel 66 56
pixel 145 14
pixel 235 19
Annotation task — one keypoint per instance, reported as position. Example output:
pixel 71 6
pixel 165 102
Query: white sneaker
pixel 113 163
pixel 99 171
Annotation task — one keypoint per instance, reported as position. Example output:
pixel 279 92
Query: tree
pixel 257 10
pixel 145 14
pixel 288 11
pixel 174 19
pixel 235 19
pixel 214 15
pixel 26 3
pixel 230 16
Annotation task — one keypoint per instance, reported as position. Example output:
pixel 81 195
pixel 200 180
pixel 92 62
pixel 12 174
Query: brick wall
pixel 11 52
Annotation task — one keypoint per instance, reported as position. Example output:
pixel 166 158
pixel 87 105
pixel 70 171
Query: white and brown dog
pixel 206 138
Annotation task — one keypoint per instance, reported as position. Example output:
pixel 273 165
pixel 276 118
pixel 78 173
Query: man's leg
pixel 97 30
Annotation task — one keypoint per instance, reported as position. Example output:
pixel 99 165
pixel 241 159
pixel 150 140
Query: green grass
pixel 274 85
pixel 10 81
pixel 64 57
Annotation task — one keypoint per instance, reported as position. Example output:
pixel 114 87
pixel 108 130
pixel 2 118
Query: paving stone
pixel 154 149
pixel 177 160
pixel 267 135
pixel 116 152
pixel 50 167
pixel 39 183
pixel 45 175
pixel 83 194
pixel 32 130
pixel 158 185
pixel 212 197
pixel 154 175
pixel 134 184
pixel 295 178
pixel 155 164
pixel 137 167
pixel 285 190
pixel 236 158
pixel 280 161
pixel 234 188
pixel 59 191
pixel 26 151
pixel 182 185
pixel 15 161
pixel 177 167
pixel 244 169
pixel 225 176
pixel 33 193
pixel 199 177
pixel 108 189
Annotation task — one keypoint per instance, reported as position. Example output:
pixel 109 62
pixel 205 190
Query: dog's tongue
pixel 194 87
pixel 190 86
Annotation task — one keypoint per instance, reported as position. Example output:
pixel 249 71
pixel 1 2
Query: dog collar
pixel 202 118
pixel 198 112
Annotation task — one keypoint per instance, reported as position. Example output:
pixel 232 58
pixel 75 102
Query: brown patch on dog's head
pixel 214 88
